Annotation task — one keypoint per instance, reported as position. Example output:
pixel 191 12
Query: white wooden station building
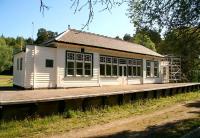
pixel 79 59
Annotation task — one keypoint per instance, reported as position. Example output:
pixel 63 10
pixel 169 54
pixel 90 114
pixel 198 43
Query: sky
pixel 17 16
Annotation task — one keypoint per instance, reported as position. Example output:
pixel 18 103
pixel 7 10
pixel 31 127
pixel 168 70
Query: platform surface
pixel 44 95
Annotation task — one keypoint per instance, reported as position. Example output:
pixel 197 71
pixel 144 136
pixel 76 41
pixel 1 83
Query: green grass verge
pixel 56 124
pixel 6 81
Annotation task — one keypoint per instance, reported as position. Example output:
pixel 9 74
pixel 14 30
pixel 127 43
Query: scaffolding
pixel 174 68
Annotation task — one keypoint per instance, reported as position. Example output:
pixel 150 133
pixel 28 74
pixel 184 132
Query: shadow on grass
pixel 194 104
pixel 169 130
pixel 9 88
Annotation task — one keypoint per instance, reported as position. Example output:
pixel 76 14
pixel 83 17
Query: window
pixel 114 70
pixel 108 69
pixel 87 64
pixel 79 68
pixel 156 74
pixel 134 67
pixel 78 64
pixel 21 61
pixel 70 68
pixel 130 67
pixel 17 63
pixel 49 63
pixel 102 65
pixel 148 68
pixel 114 66
pixel 108 66
pixel 102 69
pixel 122 61
pixel 139 67
pixel 88 69
pixel 70 64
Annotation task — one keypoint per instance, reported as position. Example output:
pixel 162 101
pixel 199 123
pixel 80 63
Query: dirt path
pixel 141 125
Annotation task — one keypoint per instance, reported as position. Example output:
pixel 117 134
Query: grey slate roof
pixel 95 40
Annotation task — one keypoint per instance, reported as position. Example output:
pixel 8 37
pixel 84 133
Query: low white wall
pixel 44 76
pixel 110 81
pixel 135 80
pixel 19 75
pixel 152 80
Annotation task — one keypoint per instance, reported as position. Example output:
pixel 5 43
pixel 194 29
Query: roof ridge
pixel 104 42
pixel 105 36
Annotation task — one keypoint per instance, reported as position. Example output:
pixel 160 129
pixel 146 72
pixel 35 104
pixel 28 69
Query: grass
pixel 55 124
pixel 6 80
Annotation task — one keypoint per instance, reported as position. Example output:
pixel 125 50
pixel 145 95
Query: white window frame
pixel 139 65
pixel 82 60
pixel 18 64
pixel 89 62
pixel 103 63
pixel 130 64
pixel 148 66
pixel 114 64
pixel 156 67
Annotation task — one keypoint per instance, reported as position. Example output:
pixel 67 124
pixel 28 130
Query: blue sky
pixel 17 17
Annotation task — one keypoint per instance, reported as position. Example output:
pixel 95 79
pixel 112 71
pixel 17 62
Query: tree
pixel 5 57
pixel 144 40
pixel 186 45
pixel 167 14
pixel 127 37
pixel 152 34
pixel 117 37
pixel 2 41
pixel 90 5
pixel 44 35
pixel 180 19
pixel 29 41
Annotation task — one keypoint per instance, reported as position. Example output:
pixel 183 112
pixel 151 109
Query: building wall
pixel 44 76
pixel 153 79
pixel 29 66
pixel 165 71
pixel 18 75
pixel 63 81
pixel 38 76
pixel 98 80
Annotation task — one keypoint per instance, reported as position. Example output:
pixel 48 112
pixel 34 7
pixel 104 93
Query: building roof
pixel 95 40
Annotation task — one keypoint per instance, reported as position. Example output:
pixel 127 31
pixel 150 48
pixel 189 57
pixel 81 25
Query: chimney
pixel 69 27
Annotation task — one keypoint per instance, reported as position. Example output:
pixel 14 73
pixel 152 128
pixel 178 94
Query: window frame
pixel 17 63
pixel 46 63
pixel 130 65
pixel 75 64
pixel 124 62
pixel 148 66
pixel 156 67
pixel 139 66
pixel 114 64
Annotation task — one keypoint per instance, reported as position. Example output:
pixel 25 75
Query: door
pixel 123 74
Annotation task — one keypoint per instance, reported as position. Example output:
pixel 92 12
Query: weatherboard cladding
pixel 95 40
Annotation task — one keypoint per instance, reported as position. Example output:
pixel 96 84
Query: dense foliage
pixel 180 22
pixel 5 56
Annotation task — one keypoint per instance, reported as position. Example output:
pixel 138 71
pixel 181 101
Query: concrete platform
pixel 47 95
